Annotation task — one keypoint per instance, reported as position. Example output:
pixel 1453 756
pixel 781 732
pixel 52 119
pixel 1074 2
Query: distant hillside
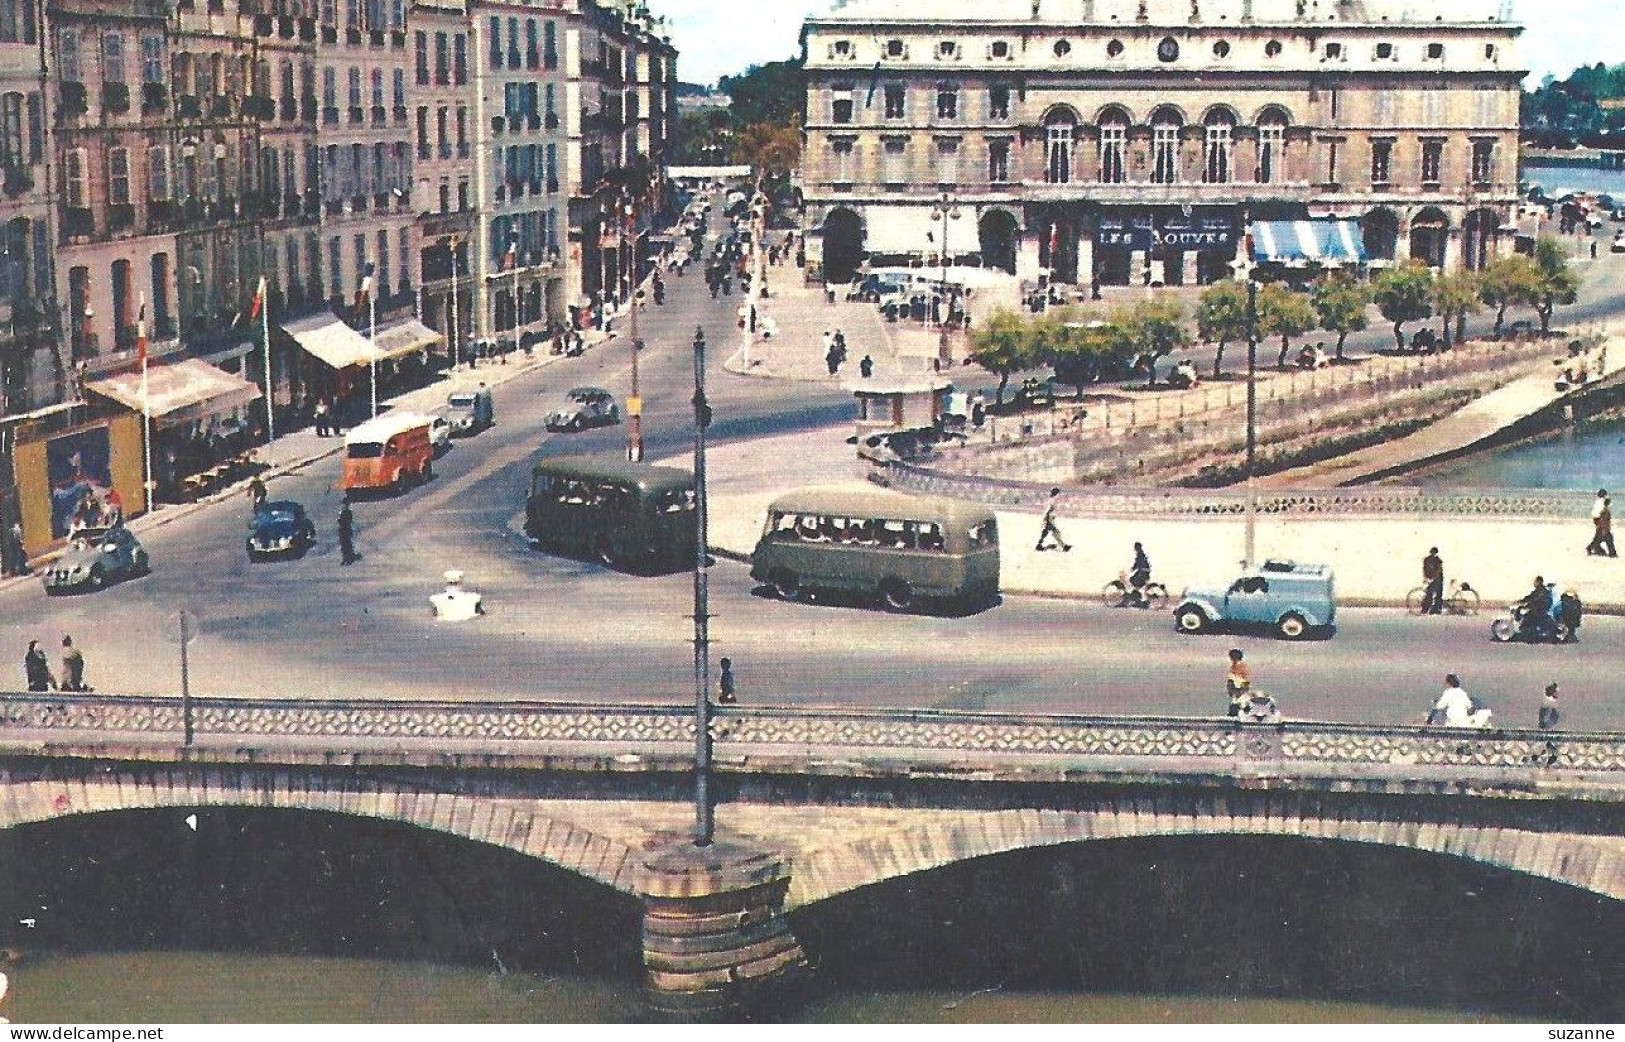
pixel 1588 109
pixel 692 90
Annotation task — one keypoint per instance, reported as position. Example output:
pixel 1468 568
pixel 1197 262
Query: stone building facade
pixel 34 365
pixel 1127 139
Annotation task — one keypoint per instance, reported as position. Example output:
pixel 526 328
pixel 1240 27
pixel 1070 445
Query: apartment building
pixel 444 131
pixel 1121 140
pixel 34 368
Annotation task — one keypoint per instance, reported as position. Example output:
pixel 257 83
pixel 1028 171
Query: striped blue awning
pixel 1301 243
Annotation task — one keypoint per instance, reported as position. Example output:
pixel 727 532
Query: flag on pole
pixel 363 292
pixel 141 333
pixel 258 303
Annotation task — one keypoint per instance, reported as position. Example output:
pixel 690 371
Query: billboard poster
pixel 77 465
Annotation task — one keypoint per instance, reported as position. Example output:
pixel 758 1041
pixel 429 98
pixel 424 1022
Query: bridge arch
pixel 523 826
pixel 1592 863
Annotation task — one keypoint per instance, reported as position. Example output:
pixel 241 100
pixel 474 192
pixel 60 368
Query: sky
pixel 721 37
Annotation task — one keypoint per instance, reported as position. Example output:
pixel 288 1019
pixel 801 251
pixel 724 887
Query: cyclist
pixel 1139 575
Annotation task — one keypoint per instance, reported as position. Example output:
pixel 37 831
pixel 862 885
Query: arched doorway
pixel 1430 232
pixel 997 231
pixel 1380 228
pixel 843 245
pixel 1480 235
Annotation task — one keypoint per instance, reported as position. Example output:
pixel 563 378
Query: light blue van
pixel 1294 600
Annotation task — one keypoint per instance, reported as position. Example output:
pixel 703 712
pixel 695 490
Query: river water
pixel 1580 461
pixel 265 916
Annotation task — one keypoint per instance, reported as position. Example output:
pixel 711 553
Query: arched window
pixel 1165 125
pixel 1271 145
pixel 1218 136
pixel 1059 131
pixel 1114 124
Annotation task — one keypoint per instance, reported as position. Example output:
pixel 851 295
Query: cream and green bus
pixel 905 550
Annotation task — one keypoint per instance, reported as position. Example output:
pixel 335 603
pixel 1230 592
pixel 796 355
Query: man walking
pixel 1549 713
pixel 37 668
pixel 1602 525
pixel 257 493
pixel 16 552
pixel 346 526
pixel 1050 530
pixel 1433 576
pixel 727 694
pixel 1238 682
pixel 73 666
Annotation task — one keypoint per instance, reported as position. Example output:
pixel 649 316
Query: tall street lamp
pixel 1243 270
pixel 945 210
pixel 704 813
pixel 634 404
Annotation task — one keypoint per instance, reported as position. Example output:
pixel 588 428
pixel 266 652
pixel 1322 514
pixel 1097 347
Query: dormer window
pixel 1490 53
pixel 1435 52
pixel 1062 48
pixel 999 49
pixel 1168 49
pixel 1334 52
pixel 1384 52
pixel 1114 49
pixel 1221 49
pixel 1272 49
pixel 947 50
pixel 840 49
pixel 896 49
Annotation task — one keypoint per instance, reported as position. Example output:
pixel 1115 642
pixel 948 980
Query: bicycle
pixel 1120 594
pixel 1459 599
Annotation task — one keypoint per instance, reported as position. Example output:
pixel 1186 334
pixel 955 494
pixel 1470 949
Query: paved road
pixel 569 629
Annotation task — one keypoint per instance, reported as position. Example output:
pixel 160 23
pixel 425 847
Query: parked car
pixel 584 407
pixel 1292 599
pixel 470 411
pixel 280 527
pixel 94 558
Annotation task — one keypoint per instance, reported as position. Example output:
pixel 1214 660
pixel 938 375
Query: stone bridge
pixel 812 803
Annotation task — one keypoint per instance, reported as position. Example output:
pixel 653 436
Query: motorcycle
pixel 1513 627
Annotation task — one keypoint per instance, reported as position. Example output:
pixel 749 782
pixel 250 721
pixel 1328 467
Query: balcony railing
pixel 1141 193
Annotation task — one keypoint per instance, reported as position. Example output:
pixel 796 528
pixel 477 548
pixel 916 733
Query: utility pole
pixel 1252 418
pixel 634 404
pixel 704 814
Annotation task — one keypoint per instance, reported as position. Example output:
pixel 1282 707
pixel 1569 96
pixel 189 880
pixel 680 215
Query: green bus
pixel 624 514
pixel 900 548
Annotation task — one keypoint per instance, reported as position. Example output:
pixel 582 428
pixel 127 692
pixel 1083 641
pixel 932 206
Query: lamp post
pixel 634 404
pixel 1252 418
pixel 945 210
pixel 455 358
pixel 704 816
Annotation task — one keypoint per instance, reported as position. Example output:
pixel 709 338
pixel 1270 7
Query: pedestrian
pixel 1050 530
pixel 726 693
pixel 256 493
pixel 829 342
pixel 346 526
pixel 1094 288
pixel 978 409
pixel 1456 708
pixel 38 669
pixel 323 417
pixel 832 360
pixel 1602 525
pixel 1549 713
pixel 1238 682
pixel 1433 576
pixel 73 666
pixel 16 552
pixel 866 367
pixel 1593 249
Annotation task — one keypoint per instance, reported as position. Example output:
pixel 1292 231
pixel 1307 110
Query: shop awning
pixel 910 230
pixel 331 341
pixel 180 392
pixel 406 336
pixel 1300 243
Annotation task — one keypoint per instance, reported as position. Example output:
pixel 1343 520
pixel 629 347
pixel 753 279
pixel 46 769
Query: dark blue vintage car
pixel 280 528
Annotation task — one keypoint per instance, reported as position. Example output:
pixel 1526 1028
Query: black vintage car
pixel 280 528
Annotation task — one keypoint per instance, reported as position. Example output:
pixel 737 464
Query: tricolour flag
pixel 258 303
pixel 141 332
pixel 363 292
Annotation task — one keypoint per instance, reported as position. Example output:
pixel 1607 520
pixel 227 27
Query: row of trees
pixel 1085 346
pixel 761 126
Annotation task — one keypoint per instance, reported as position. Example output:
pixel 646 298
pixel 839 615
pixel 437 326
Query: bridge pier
pixel 715 939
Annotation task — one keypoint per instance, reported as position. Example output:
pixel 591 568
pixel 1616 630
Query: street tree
pixel 1221 316
pixel 1509 282
pixel 1341 301
pixel 1152 329
pixel 1003 346
pixel 774 148
pixel 1084 348
pixel 1556 282
pixel 1286 313
pixel 1405 294
pixel 1455 296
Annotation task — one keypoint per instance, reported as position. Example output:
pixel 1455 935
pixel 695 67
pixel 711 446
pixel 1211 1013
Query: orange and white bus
pixel 392 451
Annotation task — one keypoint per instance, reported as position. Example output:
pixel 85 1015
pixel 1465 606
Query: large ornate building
pixel 1121 139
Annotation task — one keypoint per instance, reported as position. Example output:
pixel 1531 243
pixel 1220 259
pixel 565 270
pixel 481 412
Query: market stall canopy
pixel 325 336
pixel 1301 243
pixel 180 392
pixel 405 337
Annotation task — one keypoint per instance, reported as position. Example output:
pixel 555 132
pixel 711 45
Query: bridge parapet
pixel 798 740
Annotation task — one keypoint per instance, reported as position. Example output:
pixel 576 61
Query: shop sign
pixel 1176 231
